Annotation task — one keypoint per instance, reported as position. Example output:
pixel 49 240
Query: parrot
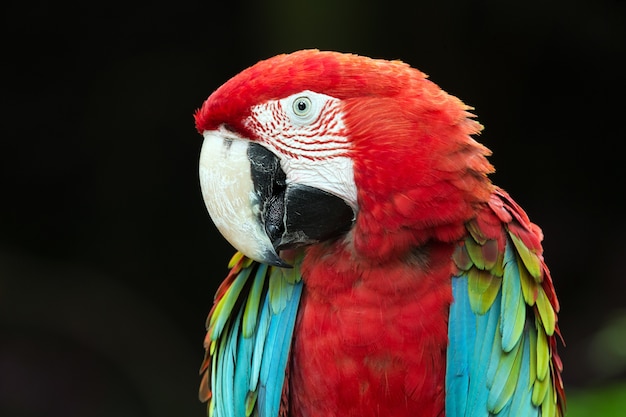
pixel 377 271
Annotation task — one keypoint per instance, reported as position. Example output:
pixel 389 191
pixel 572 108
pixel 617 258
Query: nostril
pixel 229 128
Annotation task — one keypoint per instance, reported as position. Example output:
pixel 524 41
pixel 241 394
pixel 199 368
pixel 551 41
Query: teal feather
pixel 251 328
pixel 261 337
pixel 521 404
pixel 245 346
pixel 495 357
pixel 505 379
pixel 488 329
pixel 220 391
pixel 460 332
pixel 275 356
pixel 228 370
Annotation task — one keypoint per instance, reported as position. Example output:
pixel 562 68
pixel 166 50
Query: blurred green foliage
pixel 609 401
pixel 607 351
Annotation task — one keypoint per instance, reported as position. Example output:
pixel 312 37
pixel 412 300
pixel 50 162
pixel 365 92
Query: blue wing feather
pixel 460 335
pixel 221 393
pixel 255 324
pixel 228 372
pixel 521 404
pixel 488 327
pixel 488 357
pixel 245 346
pixel 259 345
pixel 275 356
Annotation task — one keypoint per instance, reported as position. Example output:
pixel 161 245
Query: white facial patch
pixel 307 132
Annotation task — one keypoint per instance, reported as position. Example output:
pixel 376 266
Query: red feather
pixel 355 330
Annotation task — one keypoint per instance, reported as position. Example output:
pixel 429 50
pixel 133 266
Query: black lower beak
pixel 294 215
pixel 311 216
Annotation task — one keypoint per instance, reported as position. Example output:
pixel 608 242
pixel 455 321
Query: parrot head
pixel 315 147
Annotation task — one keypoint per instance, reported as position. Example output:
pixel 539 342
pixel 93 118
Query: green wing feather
pixel 502 356
pixel 249 327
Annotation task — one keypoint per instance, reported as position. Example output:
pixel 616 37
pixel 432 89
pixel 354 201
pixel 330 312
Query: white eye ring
pixel 302 106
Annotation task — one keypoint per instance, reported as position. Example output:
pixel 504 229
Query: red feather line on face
pixel 322 138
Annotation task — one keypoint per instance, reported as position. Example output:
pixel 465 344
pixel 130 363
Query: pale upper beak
pixel 256 207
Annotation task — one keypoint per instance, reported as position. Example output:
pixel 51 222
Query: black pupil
pixel 301 105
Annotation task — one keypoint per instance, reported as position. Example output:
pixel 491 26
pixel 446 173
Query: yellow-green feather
pixel 483 289
pixel 543 354
pixel 498 268
pixel 251 311
pixel 540 391
pixel 548 406
pixel 225 305
pixel 546 312
pixel 475 253
pixel 513 305
pixel 529 285
pixel 235 259
pixel 543 380
pixel 530 259
pixel 278 289
pixel 250 402
pixel 281 283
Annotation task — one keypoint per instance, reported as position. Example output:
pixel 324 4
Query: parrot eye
pixel 302 106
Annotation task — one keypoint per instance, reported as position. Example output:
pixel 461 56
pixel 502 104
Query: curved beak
pixel 255 206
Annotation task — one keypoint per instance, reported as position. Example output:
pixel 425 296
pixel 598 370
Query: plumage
pixel 389 276
pixel 512 302
pixel 483 288
pixel 251 311
pixel 248 365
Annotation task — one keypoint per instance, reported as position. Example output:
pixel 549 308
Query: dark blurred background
pixel 108 259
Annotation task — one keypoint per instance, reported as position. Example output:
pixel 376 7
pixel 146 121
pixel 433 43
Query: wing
pixel 502 358
pixel 249 331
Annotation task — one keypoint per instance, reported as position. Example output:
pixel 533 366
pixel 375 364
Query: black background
pixel 108 260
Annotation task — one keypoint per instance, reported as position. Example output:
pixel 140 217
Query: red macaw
pixel 379 272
